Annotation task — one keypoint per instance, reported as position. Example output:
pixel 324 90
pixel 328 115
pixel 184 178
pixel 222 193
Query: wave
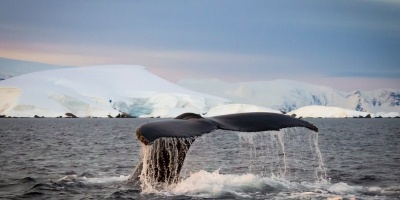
pixel 203 184
pixel 294 163
pixel 216 185
pixel 93 180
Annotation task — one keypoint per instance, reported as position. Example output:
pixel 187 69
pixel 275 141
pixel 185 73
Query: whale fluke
pixel 171 139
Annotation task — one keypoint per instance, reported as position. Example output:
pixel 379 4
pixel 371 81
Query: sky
pixel 346 45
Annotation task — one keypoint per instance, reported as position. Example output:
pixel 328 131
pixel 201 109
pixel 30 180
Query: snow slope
pixel 286 95
pixel 99 91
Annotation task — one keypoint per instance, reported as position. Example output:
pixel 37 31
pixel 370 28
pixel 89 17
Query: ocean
pixel 93 158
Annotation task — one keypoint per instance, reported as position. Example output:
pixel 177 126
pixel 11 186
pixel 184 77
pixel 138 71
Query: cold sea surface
pixel 93 159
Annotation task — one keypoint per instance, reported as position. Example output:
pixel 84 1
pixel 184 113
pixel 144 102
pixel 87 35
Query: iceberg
pixel 388 115
pixel 327 112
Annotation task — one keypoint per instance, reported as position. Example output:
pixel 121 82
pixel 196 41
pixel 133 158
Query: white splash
pixel 205 184
pixel 105 180
pixel 93 180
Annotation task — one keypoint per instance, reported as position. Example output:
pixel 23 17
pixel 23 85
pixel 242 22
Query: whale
pixel 170 139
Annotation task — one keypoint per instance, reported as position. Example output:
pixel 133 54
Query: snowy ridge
pixel 286 95
pixel 99 91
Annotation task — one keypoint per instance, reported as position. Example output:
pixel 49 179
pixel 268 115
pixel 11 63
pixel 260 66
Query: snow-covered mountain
pixel 286 95
pixel 10 68
pixel 99 91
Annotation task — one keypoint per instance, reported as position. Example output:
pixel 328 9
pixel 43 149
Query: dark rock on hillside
pixel 70 115
pixel 124 115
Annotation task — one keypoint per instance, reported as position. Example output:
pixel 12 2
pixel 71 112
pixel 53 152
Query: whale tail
pixel 166 142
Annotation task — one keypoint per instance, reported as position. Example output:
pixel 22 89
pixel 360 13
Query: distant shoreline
pixel 10 117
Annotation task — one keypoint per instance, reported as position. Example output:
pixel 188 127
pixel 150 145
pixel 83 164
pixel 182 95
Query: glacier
pixel 99 91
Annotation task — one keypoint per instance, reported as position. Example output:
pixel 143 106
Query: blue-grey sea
pixel 93 158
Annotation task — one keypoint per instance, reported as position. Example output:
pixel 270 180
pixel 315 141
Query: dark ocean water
pixel 93 158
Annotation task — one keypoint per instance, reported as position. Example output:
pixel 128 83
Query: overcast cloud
pixel 321 42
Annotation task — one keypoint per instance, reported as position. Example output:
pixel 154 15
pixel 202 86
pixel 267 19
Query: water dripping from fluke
pixel 286 154
pixel 165 143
